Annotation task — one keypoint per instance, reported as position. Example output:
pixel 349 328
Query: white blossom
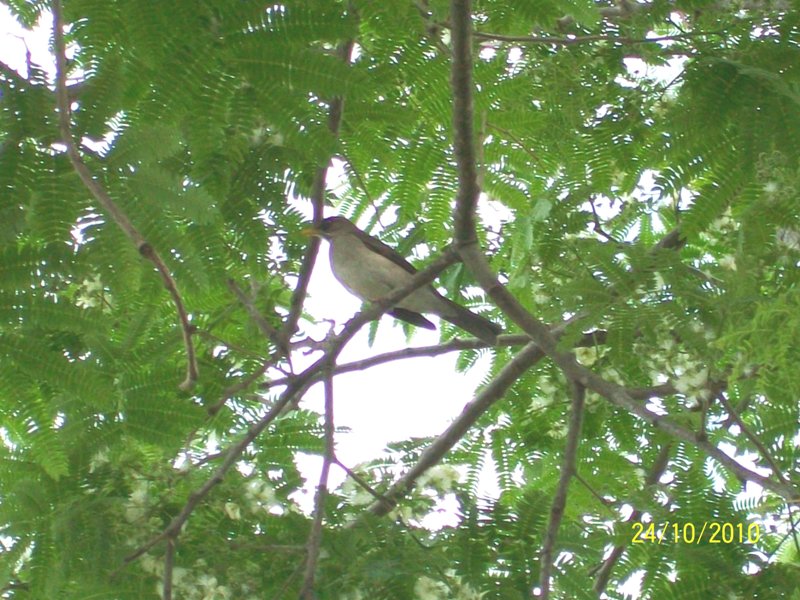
pixel 98 460
pixel 691 382
pixel 233 511
pixel 428 589
pixel 728 262
pixel 586 356
pixel 442 478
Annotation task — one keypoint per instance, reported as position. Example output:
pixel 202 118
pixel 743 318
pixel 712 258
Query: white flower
pixel 218 593
pixel 179 574
pixel 559 431
pixel 139 496
pixel 361 497
pixel 692 382
pixel 613 376
pixel 150 564
pixel 586 356
pixel 401 512
pixel 546 387
pixel 428 589
pixel 539 402
pixel 207 581
pixel 789 238
pixel 641 476
pixel 728 262
pixel 441 477
pixel 259 492
pixel 233 511
pixel 136 507
pixel 98 460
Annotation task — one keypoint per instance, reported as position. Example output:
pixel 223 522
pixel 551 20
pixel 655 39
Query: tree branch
pixel 568 469
pixel 467 244
pixel 263 325
pixel 315 536
pixel 318 204
pixel 103 198
pixel 293 392
pixel 762 450
pixel 586 39
pixel 656 471
pixel 593 338
pixel 169 563
pixel 494 391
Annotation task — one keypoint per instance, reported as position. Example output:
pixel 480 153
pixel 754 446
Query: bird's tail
pixel 467 320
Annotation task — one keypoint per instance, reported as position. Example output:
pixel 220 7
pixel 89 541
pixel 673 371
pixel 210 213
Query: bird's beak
pixel 311 231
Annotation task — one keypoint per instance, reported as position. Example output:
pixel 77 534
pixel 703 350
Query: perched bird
pixel 370 270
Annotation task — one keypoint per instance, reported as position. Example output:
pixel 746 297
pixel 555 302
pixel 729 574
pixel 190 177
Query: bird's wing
pixel 388 252
pixel 409 316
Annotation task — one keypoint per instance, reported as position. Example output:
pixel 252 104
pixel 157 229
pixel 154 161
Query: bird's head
pixel 331 227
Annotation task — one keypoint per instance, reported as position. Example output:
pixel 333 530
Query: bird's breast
pixel 371 276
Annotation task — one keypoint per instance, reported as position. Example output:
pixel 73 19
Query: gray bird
pixel 370 270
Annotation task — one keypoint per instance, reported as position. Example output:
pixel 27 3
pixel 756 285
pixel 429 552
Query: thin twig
pixel 318 204
pixel 231 456
pixel 587 39
pixel 591 339
pixel 259 547
pixel 358 479
pixel 263 325
pixel 315 536
pixel 604 501
pixel 103 198
pixel 762 450
pixel 215 340
pixel 241 385
pixel 568 469
pixel 281 593
pixel 512 136
pixel 169 562
pixel 656 471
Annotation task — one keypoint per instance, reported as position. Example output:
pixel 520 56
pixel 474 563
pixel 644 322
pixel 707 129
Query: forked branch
pixel 104 199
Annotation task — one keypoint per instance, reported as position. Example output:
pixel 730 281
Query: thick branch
pixel 102 197
pixel 494 391
pixel 475 261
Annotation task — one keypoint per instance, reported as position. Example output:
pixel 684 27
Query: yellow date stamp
pixel 707 532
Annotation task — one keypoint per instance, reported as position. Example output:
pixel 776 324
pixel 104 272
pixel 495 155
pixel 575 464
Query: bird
pixel 370 270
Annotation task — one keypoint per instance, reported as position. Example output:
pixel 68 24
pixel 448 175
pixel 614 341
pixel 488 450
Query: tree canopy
pixel 616 183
